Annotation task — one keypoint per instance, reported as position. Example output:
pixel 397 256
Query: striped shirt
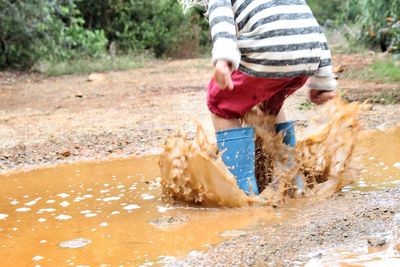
pixel 271 39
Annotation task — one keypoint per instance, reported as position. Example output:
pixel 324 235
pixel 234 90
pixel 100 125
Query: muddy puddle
pixel 106 214
pixel 380 163
pixel 112 213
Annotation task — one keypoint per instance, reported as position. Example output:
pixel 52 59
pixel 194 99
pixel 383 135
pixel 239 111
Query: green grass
pixel 89 65
pixel 344 40
pixel 307 105
pixel 386 70
pixel 388 97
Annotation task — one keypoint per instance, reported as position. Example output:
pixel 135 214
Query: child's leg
pixel 286 128
pixel 236 143
pixel 227 106
pixel 223 124
pixel 274 106
pixel 281 116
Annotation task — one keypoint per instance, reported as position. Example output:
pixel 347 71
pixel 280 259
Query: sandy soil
pixel 315 230
pixel 44 121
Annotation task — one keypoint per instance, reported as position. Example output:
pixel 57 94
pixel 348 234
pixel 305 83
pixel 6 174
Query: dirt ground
pixel 44 121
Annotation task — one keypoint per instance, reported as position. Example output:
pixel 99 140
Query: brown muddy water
pixel 111 210
pixel 111 213
pixel 380 166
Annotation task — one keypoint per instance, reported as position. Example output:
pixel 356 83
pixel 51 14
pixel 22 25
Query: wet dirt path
pixel 44 121
pixel 114 213
pixel 47 120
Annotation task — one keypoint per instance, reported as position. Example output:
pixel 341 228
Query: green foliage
pixel 386 70
pixel 378 21
pixel 89 65
pixel 307 105
pixel 388 97
pixel 77 41
pixel 375 20
pixel 40 29
pixel 27 31
pixel 149 25
pixel 65 30
pixel 326 10
pixel 159 26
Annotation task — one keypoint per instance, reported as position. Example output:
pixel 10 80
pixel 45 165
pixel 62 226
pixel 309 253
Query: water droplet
pixel 131 207
pixel 63 217
pixel 147 196
pixel 104 224
pixel 24 209
pixel 75 243
pixel 89 215
pixel 65 204
pixel 110 198
pixel 38 258
pixel 86 211
pixel 46 210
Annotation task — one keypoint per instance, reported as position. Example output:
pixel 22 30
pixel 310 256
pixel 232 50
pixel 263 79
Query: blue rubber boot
pixel 289 138
pixel 238 153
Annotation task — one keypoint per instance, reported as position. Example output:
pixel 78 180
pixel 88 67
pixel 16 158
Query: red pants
pixel 250 91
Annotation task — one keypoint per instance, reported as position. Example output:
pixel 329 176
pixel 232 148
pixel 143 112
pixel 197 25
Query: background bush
pixel 65 30
pixel 377 22
pixel 44 29
pixel 158 26
pixel 32 30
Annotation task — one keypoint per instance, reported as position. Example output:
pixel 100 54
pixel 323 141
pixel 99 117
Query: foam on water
pixel 63 217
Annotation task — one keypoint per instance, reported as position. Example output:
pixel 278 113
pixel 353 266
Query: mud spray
pixel 192 171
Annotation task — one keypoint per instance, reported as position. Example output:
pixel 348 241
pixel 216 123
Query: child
pixel 263 51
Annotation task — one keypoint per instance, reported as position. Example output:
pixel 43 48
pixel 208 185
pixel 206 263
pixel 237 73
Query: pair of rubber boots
pixel 238 152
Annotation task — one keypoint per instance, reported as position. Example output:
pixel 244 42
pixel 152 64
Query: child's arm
pixel 323 83
pixel 225 53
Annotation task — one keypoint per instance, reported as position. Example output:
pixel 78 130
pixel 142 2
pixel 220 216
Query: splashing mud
pixel 192 171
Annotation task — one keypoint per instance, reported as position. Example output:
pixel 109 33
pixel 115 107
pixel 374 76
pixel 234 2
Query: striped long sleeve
pixel 223 32
pixel 271 39
pixel 323 78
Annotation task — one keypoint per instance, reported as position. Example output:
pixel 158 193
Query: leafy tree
pixel 28 30
pixel 326 10
pixel 44 29
pixel 155 25
pixel 380 21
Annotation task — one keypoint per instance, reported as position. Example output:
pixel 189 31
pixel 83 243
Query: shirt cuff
pixel 226 49
pixel 323 80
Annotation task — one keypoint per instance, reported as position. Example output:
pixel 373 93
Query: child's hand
pixel 222 75
pixel 320 97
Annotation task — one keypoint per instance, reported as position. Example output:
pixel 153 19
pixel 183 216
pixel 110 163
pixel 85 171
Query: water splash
pixel 192 171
